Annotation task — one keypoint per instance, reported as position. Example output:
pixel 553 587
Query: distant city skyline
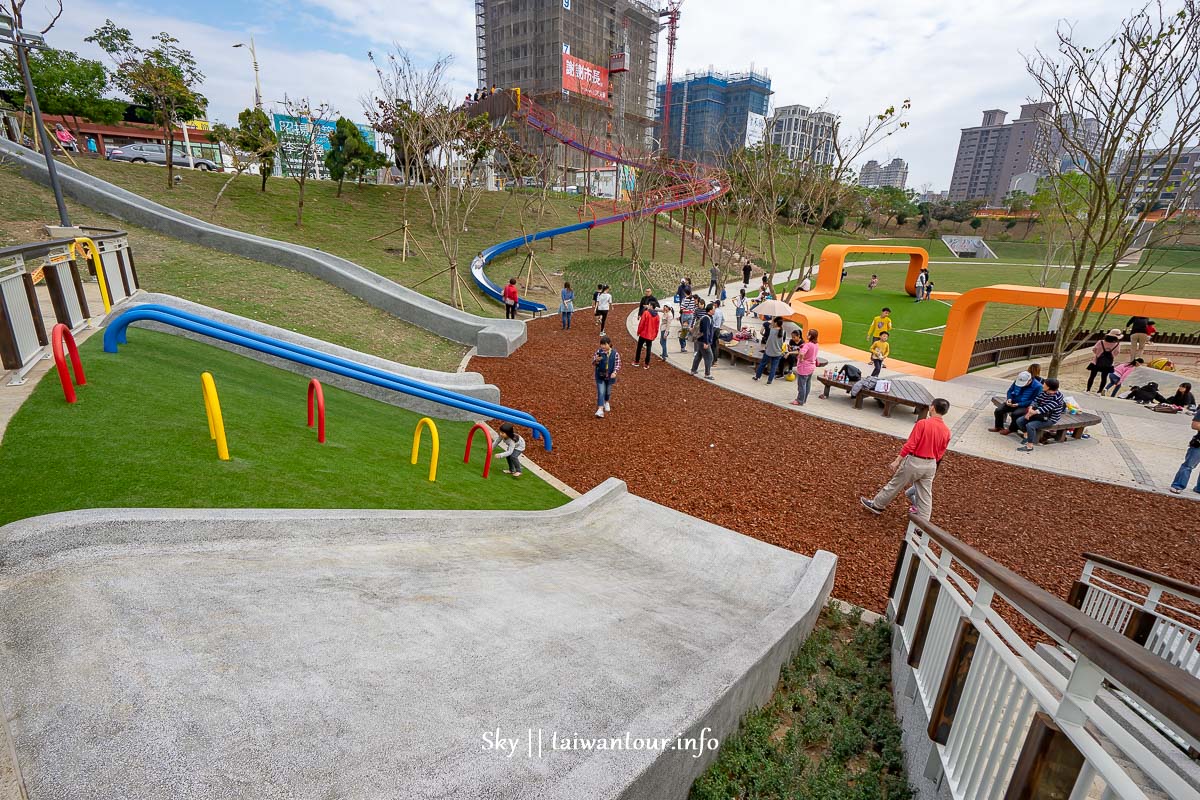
pixel 856 57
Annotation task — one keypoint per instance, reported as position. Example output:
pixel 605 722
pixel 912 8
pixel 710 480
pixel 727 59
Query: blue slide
pixel 115 334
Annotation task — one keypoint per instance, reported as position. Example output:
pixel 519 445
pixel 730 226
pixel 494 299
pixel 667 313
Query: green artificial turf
pixel 138 437
pixel 857 306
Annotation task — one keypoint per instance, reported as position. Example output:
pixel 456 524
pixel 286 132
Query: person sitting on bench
pixel 1021 394
pixel 1045 412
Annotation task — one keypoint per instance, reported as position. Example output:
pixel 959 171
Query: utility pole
pixel 21 41
pixel 257 86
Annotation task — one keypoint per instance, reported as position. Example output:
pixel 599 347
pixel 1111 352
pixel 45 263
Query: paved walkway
pixel 1132 447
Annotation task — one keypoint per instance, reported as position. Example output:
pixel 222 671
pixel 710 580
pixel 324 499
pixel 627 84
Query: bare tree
pixel 446 146
pixel 1124 111
pixel 823 187
pixel 299 153
pixel 16 9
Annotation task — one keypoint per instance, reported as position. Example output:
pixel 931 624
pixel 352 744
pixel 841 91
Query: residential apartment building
pixel 714 113
pixel 894 173
pixel 1180 190
pixel 804 134
pixel 991 154
pixel 559 52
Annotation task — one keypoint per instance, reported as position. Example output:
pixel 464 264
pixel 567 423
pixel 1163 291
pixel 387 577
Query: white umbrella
pixel 773 308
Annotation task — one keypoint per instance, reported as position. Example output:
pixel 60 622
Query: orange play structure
pixel 829 282
pixel 962 326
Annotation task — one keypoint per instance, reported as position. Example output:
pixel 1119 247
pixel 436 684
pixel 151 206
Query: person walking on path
pixel 772 352
pixel 603 305
pixel 605 365
pixel 647 331
pixel 510 299
pixel 718 318
pixel 1139 336
pixel 704 343
pixel 739 307
pixel 714 280
pixel 880 350
pixel 1020 396
pixel 648 299
pixel 513 444
pixel 746 267
pixel 917 463
pixel 566 306
pixel 1191 460
pixel 806 365
pixel 687 317
pixel 1045 411
pixel 664 328
pixel 1104 355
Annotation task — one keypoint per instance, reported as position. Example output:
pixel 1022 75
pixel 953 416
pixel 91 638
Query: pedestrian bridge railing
pixel 1006 718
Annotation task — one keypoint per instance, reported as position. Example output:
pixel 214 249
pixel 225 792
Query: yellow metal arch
pixel 93 253
pixel 426 422
pixel 212 407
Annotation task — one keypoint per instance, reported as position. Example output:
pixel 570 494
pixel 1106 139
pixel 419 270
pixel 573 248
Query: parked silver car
pixel 156 154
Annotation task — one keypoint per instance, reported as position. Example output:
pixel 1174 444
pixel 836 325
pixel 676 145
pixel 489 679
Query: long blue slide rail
pixel 489 287
pixel 116 333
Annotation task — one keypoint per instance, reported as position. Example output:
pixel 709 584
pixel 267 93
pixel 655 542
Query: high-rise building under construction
pixel 592 62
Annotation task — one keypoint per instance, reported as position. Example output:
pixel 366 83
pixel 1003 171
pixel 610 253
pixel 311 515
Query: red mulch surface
pixel 794 480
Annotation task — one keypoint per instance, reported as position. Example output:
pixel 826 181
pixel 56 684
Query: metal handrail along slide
pixel 1000 706
pixel 115 334
pixel 698 184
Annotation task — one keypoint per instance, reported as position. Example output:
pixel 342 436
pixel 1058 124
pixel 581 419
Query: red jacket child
pixel 510 293
pixel 648 325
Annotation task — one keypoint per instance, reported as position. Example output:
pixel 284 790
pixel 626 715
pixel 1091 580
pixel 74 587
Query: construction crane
pixel 671 14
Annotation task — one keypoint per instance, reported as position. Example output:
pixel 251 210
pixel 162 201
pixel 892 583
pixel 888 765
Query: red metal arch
pixel 314 391
pixel 487 435
pixel 63 333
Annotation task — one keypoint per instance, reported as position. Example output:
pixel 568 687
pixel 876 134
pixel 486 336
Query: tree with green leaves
pixel 345 144
pixel 245 145
pixel 163 77
pixel 66 84
pixel 255 135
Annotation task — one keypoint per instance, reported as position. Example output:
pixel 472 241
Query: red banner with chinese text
pixel 583 78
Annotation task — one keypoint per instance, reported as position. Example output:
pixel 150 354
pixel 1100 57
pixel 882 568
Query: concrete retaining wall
pixel 492 337
pixel 468 383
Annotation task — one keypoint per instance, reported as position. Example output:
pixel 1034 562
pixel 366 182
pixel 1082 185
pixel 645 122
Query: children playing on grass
pixel 881 324
pixel 880 349
pixel 512 444
pixel 871 284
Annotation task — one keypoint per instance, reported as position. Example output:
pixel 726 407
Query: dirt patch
pixel 794 480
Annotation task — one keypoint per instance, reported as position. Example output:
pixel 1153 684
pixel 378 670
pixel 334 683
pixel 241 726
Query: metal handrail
pixel 1171 693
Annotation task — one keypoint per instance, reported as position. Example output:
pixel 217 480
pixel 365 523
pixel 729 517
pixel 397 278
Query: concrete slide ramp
pixel 357 654
pixel 492 337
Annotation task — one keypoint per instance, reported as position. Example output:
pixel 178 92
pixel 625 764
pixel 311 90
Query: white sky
pixel 855 57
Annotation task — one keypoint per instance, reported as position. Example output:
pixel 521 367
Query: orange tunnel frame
pixel 962 326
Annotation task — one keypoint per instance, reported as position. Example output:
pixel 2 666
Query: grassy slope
pixel 267 293
pixel 829 731
pixel 142 409
pixel 343 225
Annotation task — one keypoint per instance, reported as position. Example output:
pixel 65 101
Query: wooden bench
pixel 900 393
pixel 748 351
pixel 1076 424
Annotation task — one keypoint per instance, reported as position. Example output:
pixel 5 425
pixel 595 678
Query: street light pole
pixel 257 85
pixel 20 41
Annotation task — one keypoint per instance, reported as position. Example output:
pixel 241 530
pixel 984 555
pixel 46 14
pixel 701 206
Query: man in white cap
pixel 1024 390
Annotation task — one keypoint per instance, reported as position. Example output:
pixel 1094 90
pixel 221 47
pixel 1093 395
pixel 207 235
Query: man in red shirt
pixel 510 299
pixel 917 463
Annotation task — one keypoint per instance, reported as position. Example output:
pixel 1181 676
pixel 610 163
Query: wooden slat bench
pixel 901 393
pixel 1075 424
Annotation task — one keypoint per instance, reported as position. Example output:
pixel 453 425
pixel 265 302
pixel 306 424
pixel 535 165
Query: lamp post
pixel 257 85
pixel 21 41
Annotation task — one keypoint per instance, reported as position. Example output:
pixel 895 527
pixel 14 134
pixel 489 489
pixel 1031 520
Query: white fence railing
pixel 1002 717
